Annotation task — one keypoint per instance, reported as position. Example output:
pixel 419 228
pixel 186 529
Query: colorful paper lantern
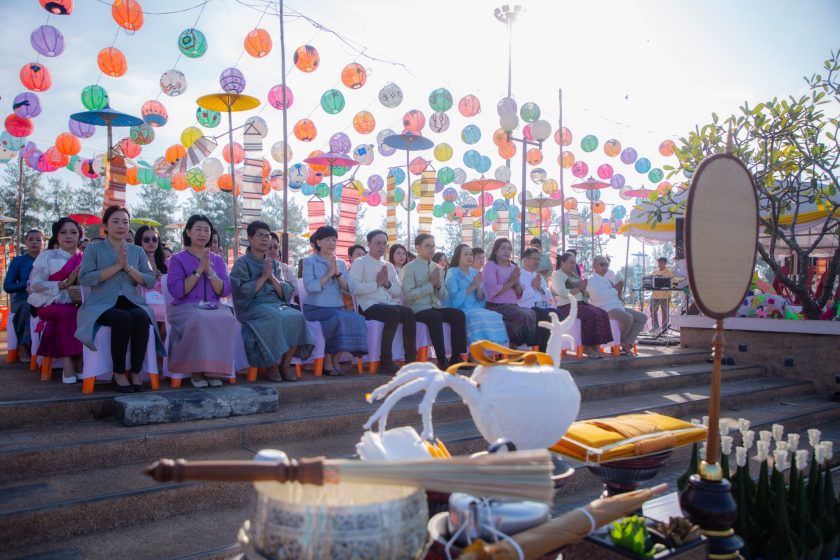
pixel 469 106
pixel 390 95
pixel 507 151
pixel 598 207
pixel 398 174
pixel 232 80
pixel 11 143
pixel 605 171
pixel 506 105
pixel 306 58
pixel 530 112
pixel 414 121
pixel 445 175
pixel 550 186
pixel 154 113
pixel 192 43
pixel 538 175
pixel 563 136
pixel 332 101
pixel 364 122
pixel 642 165
pixel 384 149
pixel 55 158
pixel 619 211
pixel 593 195
pixel 26 105
pixel 208 118
pixel 130 176
pixel 67 144
pixel 145 175
pixel 612 147
pixel 664 187
pixel 190 135
pixel 128 14
pixel 354 75
pixel 418 165
pixel 174 153
pixel 258 43
pixel 47 40
pixel 58 7
pixel 141 135
pixel 259 124
pixel 628 156
pixel 471 134
pixel 305 130
pixel 281 152
pixel 80 129
pixel 617 181
pixel 238 153
pixel 589 143
pixel 666 148
pixel 580 169
pixel 212 167
pixel 112 62
pixel 35 77
pixel 534 156
pixel 19 127
pixel 364 154
pixel 439 122
pixel 179 182
pixel 94 97
pixel 443 152
pixel 340 143
pixel 173 83
pixel 280 97
pixel 128 147
pixel 440 100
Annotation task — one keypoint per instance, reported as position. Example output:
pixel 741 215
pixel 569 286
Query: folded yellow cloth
pixel 631 435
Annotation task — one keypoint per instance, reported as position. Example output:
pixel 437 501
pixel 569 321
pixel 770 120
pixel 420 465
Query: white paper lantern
pixel 173 83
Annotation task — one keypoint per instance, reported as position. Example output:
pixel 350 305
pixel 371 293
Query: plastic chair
pixel 11 341
pixel 98 364
pixel 615 346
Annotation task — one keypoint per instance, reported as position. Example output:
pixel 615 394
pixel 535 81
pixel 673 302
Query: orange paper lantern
pixel 534 156
pixel 364 122
pixel 35 77
pixel 266 170
pixel 179 182
pixel 238 153
pixel 507 151
pixel 174 153
pixel 128 14
pixel 67 144
pixel 567 160
pixel 131 176
pixel 258 43
pixel 306 58
pixel 112 62
pixel 305 130
pixel 266 187
pixel 224 183
pixel 570 203
pixel 354 75
pixel 598 207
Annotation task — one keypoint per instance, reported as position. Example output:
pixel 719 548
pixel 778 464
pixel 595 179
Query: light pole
pixel 540 130
pixel 508 15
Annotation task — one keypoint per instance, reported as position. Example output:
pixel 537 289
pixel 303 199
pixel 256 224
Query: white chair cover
pixel 98 362
pixel 35 336
pixel 318 342
pixel 11 336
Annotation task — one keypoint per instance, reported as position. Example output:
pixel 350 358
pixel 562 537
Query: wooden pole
pixel 17 239
pixel 714 395
pixel 284 240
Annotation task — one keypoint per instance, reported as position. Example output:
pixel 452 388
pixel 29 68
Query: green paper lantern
pixel 192 43
pixel 208 118
pixel 71 165
pixel 440 100
pixel 437 211
pixel 322 190
pixel 94 97
pixel 399 195
pixel 529 112
pixel 589 143
pixel 165 183
pixel 196 177
pixel 145 176
pixel 448 207
pixel 655 175
pixel 445 175
pixel 340 170
pixel 491 215
pixel 332 101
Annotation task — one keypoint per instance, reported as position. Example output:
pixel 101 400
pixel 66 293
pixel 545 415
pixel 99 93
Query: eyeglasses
pixel 262 235
pixel 150 239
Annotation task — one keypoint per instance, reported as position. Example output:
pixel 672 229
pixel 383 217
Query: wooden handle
pixel 305 471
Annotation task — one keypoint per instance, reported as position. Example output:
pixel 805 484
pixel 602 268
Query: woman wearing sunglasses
pixel 148 239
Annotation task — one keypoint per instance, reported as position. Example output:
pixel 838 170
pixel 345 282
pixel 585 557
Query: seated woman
pixel 325 279
pixel 53 273
pixel 464 292
pixel 148 238
pixel 202 337
pixel 113 269
pixel 503 290
pixel 273 332
pixel 398 256
pixel 594 321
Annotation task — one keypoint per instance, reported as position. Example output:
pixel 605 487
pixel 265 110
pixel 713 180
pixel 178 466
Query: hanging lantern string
pixel 180 54
pixel 38 58
pixel 242 53
pixel 145 12
pixel 114 42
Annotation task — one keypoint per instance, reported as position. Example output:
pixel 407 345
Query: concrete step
pixel 211 533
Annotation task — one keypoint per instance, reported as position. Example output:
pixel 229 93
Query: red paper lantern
pixel 58 7
pixel 130 148
pixel 35 77
pixel 19 127
pixel 112 62
pixel 469 106
pixel 414 121
pixel 56 158
pixel 238 153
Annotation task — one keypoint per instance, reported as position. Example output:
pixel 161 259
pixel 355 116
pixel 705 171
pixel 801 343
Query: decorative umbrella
pixel 541 202
pixel 145 222
pixel 591 185
pixel 229 102
pixel 174 226
pixel 408 142
pixel 6 219
pixel 86 219
pixel 481 186
pixel 332 159
pixel 200 149
pixel 108 118
pixel 637 193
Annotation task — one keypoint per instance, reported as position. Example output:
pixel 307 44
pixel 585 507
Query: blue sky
pixel 638 71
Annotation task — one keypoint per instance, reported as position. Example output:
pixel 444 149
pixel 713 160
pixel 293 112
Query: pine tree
pixel 218 206
pixel 272 214
pixel 32 201
pixel 161 206
pixel 57 200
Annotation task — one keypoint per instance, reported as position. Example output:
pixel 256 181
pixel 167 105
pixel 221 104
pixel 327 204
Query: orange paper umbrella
pixel 481 186
pixel 86 219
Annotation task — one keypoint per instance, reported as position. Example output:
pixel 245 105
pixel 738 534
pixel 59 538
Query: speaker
pixel 679 243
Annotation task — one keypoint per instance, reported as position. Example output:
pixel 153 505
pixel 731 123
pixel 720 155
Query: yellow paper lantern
pixel 443 152
pixel 190 135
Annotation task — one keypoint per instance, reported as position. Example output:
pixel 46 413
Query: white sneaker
pixel 214 381
pixel 198 384
pixel 68 380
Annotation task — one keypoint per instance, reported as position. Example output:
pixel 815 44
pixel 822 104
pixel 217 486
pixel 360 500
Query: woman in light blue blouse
pixel 464 292
pixel 325 281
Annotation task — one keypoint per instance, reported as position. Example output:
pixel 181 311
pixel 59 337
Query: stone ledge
pixel 200 404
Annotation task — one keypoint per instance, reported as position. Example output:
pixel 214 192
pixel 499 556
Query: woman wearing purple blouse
pixel 202 332
pixel 502 290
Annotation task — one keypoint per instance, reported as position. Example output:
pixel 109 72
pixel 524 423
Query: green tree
pixel 161 206
pixel 218 206
pixel 57 200
pixel 89 198
pixel 791 148
pixel 32 204
pixel 272 214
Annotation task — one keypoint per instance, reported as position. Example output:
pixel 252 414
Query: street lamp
pixel 508 15
pixel 540 130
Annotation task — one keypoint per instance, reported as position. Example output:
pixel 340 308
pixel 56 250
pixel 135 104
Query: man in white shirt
pixel 377 288
pixel 604 294
pixel 535 292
